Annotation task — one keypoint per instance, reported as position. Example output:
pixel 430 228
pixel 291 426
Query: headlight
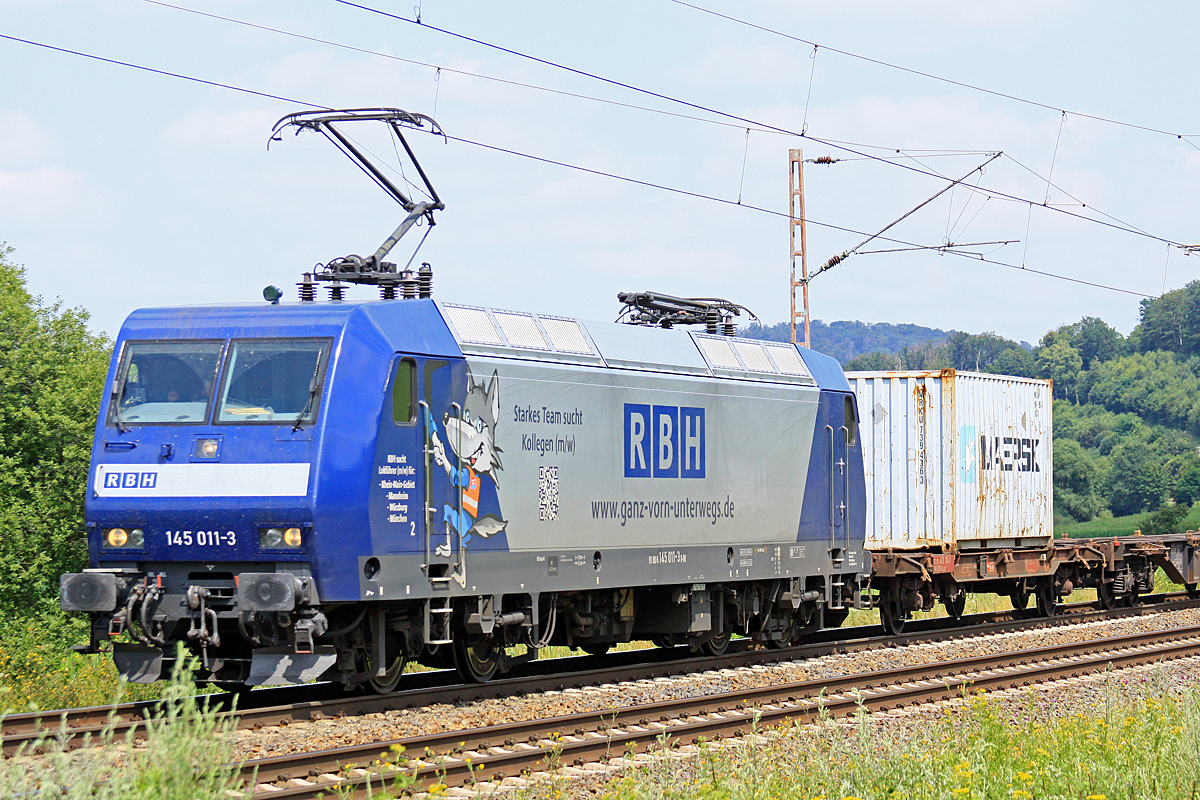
pixel 206 448
pixel 279 538
pixel 124 537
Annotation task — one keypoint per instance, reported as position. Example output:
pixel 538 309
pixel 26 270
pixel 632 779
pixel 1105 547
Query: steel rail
pixel 273 705
pixel 492 753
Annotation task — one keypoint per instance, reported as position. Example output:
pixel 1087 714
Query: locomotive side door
pixel 409 491
pixel 841 434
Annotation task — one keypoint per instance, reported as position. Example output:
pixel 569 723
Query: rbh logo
pixel 130 480
pixel 664 441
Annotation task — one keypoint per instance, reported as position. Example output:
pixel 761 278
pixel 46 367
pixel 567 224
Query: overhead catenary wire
pixel 160 72
pixel 1184 136
pixel 784 214
pixel 467 73
pixel 731 116
pixel 837 259
pixel 778 131
pixel 663 187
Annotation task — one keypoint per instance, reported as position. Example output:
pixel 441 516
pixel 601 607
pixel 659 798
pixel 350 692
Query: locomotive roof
pixel 440 328
pixel 541 337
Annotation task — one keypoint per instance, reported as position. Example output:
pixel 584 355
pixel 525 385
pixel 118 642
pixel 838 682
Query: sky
pixel 121 188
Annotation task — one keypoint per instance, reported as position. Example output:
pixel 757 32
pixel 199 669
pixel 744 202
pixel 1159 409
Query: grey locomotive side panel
pixel 616 458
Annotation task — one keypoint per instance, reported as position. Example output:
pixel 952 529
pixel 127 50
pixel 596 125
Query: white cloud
pixel 48 195
pixel 21 139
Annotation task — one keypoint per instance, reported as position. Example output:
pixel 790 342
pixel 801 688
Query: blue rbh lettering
pixel 130 480
pixel 112 480
pixel 637 441
pixel 149 480
pixel 691 424
pixel 666 441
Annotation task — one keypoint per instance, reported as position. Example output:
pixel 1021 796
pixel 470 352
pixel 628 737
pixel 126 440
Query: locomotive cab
pixel 222 432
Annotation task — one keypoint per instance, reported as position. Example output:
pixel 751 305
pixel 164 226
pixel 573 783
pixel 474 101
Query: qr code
pixel 547 493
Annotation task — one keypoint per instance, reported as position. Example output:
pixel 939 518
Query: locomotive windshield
pixel 165 382
pixel 272 381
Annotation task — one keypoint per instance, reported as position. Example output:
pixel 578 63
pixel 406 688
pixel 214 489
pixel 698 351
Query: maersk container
pixel 955 460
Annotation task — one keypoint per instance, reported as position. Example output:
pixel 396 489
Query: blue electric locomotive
pixel 333 488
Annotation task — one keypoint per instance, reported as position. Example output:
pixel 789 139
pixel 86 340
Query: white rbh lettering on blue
pixel 663 441
pixel 130 480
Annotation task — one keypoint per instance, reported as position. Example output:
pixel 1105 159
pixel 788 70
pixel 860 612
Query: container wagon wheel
pixel 1046 595
pixel 956 606
pixel 716 645
pixel 1105 595
pixel 596 649
pixel 1020 599
pixel 891 616
pixel 477 657
pixel 1193 590
pixel 662 640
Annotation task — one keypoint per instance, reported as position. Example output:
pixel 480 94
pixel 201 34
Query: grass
pixel 1117 526
pixel 184 754
pixel 38 669
pixel 1140 741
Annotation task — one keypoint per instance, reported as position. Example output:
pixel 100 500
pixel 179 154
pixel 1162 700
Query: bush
pixel 1166 520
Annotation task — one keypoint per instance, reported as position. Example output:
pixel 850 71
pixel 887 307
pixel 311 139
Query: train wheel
pixel 956 606
pixel 477 657
pixel 716 645
pixel 1047 598
pixel 1020 599
pixel 662 640
pixel 1193 590
pixel 388 683
pixel 393 656
pixel 891 616
pixel 1105 596
pixel 595 649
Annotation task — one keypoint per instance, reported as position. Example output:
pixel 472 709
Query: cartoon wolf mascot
pixel 472 440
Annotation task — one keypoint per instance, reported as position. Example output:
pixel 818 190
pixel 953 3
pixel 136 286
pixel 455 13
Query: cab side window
pixel 404 406
pixel 851 417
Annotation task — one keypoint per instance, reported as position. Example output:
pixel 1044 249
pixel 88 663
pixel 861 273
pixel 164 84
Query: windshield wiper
pixel 312 395
pixel 117 416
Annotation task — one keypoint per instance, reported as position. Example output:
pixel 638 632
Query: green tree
pixel 1137 479
pixel 878 360
pixel 1061 363
pixel 51 377
pixel 1075 474
pixel 1094 338
pixel 1159 386
pixel 1170 322
pixel 1187 488
pixel 976 352
pixel 928 356
pixel 1014 361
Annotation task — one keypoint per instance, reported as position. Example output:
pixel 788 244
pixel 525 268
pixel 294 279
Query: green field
pixel 1117 526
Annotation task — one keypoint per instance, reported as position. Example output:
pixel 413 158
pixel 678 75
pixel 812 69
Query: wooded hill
pixel 1126 410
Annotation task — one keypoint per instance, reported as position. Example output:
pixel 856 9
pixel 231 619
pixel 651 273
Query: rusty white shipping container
pixel 955 459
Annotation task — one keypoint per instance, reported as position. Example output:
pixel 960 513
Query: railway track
pixel 614 736
pixel 273 706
